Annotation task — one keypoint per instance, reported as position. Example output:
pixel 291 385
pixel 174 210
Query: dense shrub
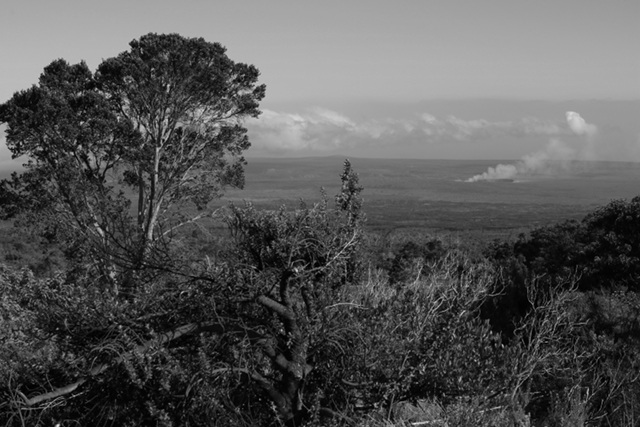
pixel 289 322
pixel 603 249
pixel 423 340
pixel 413 260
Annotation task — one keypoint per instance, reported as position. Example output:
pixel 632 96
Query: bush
pixel 424 339
pixel 603 249
pixel 413 260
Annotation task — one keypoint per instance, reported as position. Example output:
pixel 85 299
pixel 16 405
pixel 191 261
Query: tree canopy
pixel 186 100
pixel 164 119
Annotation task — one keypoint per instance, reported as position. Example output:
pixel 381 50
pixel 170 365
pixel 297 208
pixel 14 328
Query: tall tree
pixel 165 115
pixel 72 140
pixel 186 99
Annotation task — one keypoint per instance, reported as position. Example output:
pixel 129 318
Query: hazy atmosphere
pixel 431 79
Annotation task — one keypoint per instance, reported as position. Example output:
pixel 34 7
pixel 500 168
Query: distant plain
pixel 432 194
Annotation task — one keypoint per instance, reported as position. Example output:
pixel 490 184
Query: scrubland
pixel 302 315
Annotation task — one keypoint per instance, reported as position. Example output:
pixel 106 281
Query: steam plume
pixel 579 126
pixel 556 157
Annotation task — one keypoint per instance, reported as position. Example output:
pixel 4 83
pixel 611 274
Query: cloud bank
pixel 556 157
pixel 321 130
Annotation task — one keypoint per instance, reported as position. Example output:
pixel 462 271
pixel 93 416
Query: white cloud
pixel 321 129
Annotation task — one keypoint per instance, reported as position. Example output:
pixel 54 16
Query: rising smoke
pixel 579 126
pixel 556 157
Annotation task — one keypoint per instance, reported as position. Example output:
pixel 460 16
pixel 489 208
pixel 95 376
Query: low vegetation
pixel 301 317
pixel 120 315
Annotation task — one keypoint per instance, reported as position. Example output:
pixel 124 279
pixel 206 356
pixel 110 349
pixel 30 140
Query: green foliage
pixel 612 252
pixel 289 321
pixel 414 259
pixel 72 140
pixel 571 340
pixel 290 269
pixel 346 349
pixel 423 340
pixel 603 249
pixel 187 100
pixel 238 341
pixel 29 358
pixel 163 118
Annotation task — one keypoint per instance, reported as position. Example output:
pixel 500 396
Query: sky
pixel 478 79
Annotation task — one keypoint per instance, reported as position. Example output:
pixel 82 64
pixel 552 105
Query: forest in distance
pixel 433 194
pixel 150 277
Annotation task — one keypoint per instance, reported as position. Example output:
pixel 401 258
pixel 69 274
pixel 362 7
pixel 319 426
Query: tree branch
pixel 276 307
pixel 276 397
pixel 162 339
